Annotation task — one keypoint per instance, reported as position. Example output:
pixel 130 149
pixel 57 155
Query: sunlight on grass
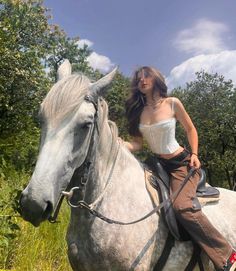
pixel 43 248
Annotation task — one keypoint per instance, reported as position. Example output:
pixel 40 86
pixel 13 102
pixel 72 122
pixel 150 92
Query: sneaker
pixel 231 263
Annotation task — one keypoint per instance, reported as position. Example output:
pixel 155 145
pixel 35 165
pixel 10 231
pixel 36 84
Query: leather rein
pixel 156 209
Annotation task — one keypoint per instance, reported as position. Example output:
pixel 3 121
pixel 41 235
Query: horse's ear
pixel 64 70
pixel 98 88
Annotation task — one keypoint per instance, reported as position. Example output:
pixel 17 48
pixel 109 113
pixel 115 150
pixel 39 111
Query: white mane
pixel 64 97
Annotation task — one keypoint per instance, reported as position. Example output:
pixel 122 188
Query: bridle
pixel 85 165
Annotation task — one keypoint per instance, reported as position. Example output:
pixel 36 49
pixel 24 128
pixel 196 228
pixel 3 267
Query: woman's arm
pixel 135 144
pixel 183 117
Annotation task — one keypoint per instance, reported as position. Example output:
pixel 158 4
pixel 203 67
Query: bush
pixel 11 182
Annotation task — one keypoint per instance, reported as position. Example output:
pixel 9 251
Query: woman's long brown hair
pixel 137 100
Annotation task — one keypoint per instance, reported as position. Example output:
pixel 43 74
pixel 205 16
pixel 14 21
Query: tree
pixel 23 39
pixel 29 47
pixel 31 50
pixel 62 47
pixel 210 100
pixel 116 99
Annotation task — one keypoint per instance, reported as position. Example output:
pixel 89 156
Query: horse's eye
pixel 86 125
pixel 82 126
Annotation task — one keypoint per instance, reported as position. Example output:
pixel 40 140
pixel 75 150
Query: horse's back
pixel 222 214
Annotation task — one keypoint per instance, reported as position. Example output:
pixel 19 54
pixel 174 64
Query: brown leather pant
pixel 192 218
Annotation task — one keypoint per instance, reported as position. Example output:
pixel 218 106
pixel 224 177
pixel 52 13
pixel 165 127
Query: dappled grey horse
pixel 78 142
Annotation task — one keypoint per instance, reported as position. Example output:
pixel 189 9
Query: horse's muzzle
pixel 33 210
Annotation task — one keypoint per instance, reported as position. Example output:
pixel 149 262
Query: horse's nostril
pixel 48 210
pixel 23 200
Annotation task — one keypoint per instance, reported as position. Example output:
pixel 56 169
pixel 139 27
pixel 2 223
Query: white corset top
pixel 160 136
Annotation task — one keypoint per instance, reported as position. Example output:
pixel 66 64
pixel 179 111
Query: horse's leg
pixel 73 257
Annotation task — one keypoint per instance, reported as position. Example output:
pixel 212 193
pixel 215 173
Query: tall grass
pixel 10 184
pixel 43 248
pixel 22 246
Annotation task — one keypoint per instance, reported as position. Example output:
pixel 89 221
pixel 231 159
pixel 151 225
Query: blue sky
pixel 179 37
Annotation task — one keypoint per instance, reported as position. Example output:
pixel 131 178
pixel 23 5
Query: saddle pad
pixel 151 190
pixel 154 194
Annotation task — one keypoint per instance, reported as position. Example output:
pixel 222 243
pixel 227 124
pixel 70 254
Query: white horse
pixel 76 133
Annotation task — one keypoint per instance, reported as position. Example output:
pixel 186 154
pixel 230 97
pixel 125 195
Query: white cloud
pixel 100 62
pixel 95 60
pixel 83 42
pixel 206 43
pixel 203 38
pixel 223 63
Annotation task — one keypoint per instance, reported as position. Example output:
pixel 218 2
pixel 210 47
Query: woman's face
pixel 145 82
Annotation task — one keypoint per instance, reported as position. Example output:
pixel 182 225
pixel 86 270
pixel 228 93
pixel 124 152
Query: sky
pixel 178 37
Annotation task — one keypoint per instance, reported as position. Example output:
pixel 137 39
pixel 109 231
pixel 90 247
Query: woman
pixel 152 116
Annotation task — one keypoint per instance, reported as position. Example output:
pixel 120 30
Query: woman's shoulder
pixel 174 103
pixel 172 99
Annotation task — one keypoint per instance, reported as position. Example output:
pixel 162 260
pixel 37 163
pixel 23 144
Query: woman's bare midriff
pixel 171 155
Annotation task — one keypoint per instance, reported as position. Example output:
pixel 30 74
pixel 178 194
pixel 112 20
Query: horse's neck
pixel 111 162
pixel 101 164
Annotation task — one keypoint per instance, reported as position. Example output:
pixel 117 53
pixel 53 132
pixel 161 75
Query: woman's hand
pixel 120 140
pixel 134 145
pixel 194 161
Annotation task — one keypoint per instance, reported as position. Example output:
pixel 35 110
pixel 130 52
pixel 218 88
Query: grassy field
pixel 24 247
pixel 43 248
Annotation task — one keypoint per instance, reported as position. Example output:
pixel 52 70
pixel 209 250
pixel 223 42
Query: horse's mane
pixel 64 97
pixel 102 120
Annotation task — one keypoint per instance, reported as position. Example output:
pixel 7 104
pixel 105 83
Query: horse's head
pixel 68 115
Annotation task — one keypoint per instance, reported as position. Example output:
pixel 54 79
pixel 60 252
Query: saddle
pixel 160 180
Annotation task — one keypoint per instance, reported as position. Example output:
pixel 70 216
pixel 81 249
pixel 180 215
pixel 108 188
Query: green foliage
pixel 81 64
pixel 23 39
pixel 43 248
pixel 20 150
pixel 22 246
pixel 10 185
pixel 210 101
pixel 63 47
pixel 116 98
pixel 28 47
